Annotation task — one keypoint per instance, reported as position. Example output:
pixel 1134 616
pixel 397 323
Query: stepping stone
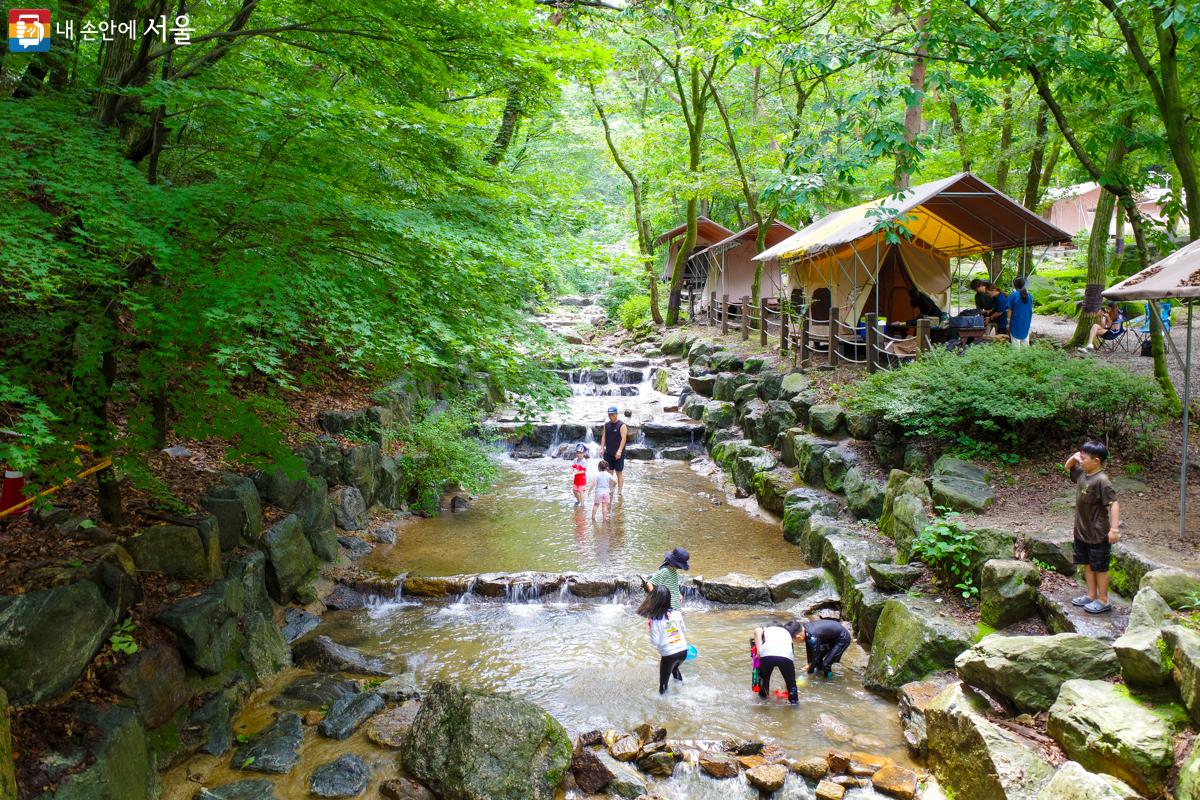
pixel 1062 617
pixel 274 749
pixel 314 691
pixel 347 713
pixel 344 777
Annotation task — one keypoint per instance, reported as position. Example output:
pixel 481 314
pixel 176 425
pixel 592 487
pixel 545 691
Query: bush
pixel 949 549
pixel 997 395
pixel 635 311
pixel 443 447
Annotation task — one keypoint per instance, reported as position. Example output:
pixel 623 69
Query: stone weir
pixel 671 439
pixel 807 590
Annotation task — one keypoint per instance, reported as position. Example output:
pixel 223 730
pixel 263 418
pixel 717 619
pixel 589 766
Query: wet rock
pixel 291 564
pixel 589 585
pixel 1184 646
pixel 48 637
pixel 1178 587
pixel 768 778
pixel 155 682
pixel 1132 560
pixel 360 469
pixel 1140 652
pixel 914 637
pixel 234 501
pixel 694 406
pixel 404 789
pixel 673 432
pixel 718 765
pixel 1104 729
pixel 676 453
pixel 1052 548
pixel 452 750
pixel 346 776
pixel 895 781
pixel 177 551
pixel 1007 591
pixel 639 452
pixel 794 583
pixel 960 485
pixel 324 654
pixel 826 420
pixel 823 603
pixel 297 622
pixel 828 790
pixel 813 767
pixel 862 604
pixel 894 577
pixel 439 586
pixel 1028 671
pixel 847 553
pixel 210 727
pixel 389 728
pixel 1073 782
pixel 347 713
pixel 914 698
pixel 975 758
pixel 749 462
pixel 770 488
pixel 1055 607
pixel 835 463
pixel 459 504
pixel 1148 610
pixel 314 691
pixel 255 789
pixel 399 688
pixel 591 776
pixel 703 384
pixel 355 548
pixel 801 504
pixel 625 748
pixel 273 749
pixel 349 508
pixel 627 782
pixel 736 588
pixel 864 494
pixel 660 764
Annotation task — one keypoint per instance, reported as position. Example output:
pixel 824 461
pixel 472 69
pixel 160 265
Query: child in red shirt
pixel 579 473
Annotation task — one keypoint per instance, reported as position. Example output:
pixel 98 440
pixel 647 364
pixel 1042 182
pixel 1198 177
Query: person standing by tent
pixel 983 301
pixel 1020 314
pixel 613 437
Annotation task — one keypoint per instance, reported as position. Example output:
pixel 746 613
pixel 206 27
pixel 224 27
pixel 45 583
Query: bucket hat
pixel 677 558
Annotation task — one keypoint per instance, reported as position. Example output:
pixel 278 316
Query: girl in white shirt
pixel 666 634
pixel 602 490
pixel 774 643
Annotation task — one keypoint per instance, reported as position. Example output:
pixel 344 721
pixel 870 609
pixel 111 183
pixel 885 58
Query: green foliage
pixel 949 549
pixel 121 639
pixel 442 446
pixel 1042 565
pixel 634 312
pixel 1166 655
pixel 1013 398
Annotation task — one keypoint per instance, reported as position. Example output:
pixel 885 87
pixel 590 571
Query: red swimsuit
pixel 580 471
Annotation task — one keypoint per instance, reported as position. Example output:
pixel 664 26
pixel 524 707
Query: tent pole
pixel 1187 390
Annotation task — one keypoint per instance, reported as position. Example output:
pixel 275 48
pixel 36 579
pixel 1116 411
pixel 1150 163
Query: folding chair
pixel 1112 341
pixel 1142 329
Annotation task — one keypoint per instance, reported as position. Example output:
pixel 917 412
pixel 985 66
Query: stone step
pixel 1062 617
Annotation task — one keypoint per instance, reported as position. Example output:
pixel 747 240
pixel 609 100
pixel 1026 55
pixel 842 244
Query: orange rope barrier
pixel 103 464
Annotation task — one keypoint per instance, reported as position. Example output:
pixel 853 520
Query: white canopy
pixel 1176 276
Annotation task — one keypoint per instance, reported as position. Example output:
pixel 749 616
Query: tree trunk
pixel 1034 174
pixel 695 132
pixel 996 260
pixel 508 126
pixel 906 160
pixel 1097 252
pixel 960 135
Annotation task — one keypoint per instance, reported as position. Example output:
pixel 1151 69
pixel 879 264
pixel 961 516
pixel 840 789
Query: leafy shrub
pixel 442 446
pixel 949 549
pixel 635 311
pixel 1014 398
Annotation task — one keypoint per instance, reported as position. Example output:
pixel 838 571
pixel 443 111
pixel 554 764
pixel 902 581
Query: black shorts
pixel 615 464
pixel 1095 556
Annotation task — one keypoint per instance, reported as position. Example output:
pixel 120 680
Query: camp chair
pixel 1112 341
pixel 1141 325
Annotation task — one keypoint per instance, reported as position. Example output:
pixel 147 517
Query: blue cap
pixel 612 409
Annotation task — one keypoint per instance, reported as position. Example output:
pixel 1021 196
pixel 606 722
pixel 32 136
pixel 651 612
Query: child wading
pixel 668 575
pixel 666 634
pixel 774 645
pixel 1097 518
pixel 602 486
pixel 579 474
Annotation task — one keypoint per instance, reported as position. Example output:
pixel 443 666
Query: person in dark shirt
pixel 824 642
pixel 998 315
pixel 924 304
pixel 1097 523
pixel 983 300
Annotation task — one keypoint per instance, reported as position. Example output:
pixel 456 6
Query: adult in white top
pixel 774 645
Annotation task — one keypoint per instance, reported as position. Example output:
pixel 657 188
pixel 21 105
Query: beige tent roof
pixel 776 233
pixel 705 227
pixel 957 216
pixel 1177 275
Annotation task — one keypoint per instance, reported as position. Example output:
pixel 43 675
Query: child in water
pixel 666 634
pixel 602 490
pixel 579 473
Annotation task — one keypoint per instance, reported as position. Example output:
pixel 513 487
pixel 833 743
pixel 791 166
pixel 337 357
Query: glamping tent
pixel 844 260
pixel 731 266
pixel 1073 208
pixel 707 233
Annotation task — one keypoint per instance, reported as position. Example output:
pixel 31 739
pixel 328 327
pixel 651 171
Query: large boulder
pixel 291 564
pixel 324 654
pixel 988 544
pixel 389 492
pixel 770 488
pixel 122 760
pixel 896 479
pixel 799 505
pixel 702 384
pixel 795 583
pixel 1073 782
pixel 1148 610
pixel 862 603
pixel 910 515
pixel 349 508
pixel 810 457
pixel 975 758
pixel 1183 644
pixel 1179 587
pixel 1133 559
pixel 826 420
pixel 177 551
pixel 345 776
pixel 749 462
pixel 234 501
pixel 1027 671
pixel 467 744
pixel 735 588
pixel 275 749
pixel 360 469
pixel 913 699
pixel 727 384
pixel 1052 548
pixel 960 485
pixel 1102 727
pixel 814 533
pixel 316 518
pixel 48 637
pixel 793 384
pixel 1007 591
pixel 718 414
pixel 694 406
pixel 847 553
pixel 348 712
pixel 1141 652
pixel 777 418
pixel 1188 785
pixel 835 463
pixel 864 494
pixel 914 637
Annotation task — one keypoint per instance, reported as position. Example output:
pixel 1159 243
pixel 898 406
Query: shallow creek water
pixel 589 663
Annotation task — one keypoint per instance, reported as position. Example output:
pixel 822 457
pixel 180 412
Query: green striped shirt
pixel 669 577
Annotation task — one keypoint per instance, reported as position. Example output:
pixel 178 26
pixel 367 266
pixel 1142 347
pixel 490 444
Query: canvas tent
pixel 1073 208
pixel 844 260
pixel 707 233
pixel 730 264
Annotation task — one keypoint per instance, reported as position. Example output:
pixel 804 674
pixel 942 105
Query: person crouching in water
pixel 774 643
pixel 602 490
pixel 824 642
pixel 666 634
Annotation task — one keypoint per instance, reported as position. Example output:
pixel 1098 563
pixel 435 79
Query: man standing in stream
pixel 613 437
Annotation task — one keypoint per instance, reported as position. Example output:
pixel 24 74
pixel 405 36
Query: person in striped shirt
pixel 668 576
